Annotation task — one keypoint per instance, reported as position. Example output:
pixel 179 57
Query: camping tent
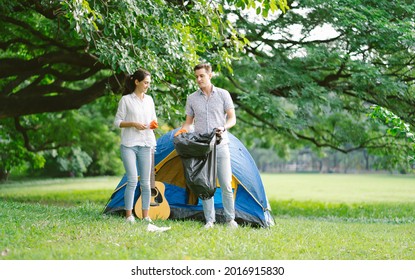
pixel 251 203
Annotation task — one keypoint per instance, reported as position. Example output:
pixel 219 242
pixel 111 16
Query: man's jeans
pixel 225 181
pixel 131 157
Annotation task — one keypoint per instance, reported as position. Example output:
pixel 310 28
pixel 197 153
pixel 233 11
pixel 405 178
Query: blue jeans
pixel 131 157
pixel 225 181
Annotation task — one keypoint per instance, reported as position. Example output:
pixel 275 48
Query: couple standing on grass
pixel 207 108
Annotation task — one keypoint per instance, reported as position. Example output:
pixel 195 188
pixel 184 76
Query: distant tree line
pixel 308 161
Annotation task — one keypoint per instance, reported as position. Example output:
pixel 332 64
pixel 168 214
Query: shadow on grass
pixel 396 213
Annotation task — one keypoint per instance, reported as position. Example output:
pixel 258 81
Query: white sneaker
pixel 233 224
pixel 148 220
pixel 130 219
pixel 209 225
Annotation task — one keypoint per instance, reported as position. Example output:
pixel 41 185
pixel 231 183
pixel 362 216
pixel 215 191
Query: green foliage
pixel 12 151
pixel 397 128
pixel 299 90
pixel 315 89
pixel 71 52
pixel 74 162
pixel 101 142
pixel 71 143
pixel 157 35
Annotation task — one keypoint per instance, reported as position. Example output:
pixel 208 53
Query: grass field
pixel 347 188
pixel 318 217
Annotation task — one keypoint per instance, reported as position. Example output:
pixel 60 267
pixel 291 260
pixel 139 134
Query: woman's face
pixel 143 85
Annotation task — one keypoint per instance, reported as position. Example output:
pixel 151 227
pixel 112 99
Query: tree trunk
pixel 4 175
pixel 366 157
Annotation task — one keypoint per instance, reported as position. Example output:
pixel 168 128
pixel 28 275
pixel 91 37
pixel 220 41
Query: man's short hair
pixel 205 66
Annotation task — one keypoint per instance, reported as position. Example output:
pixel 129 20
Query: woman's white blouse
pixel 132 109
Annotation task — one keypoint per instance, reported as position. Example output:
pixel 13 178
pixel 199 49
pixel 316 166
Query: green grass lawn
pixel 318 217
pixel 347 188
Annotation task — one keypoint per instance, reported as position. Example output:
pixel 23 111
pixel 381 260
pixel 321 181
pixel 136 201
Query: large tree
pixel 298 88
pixel 313 74
pixel 45 66
pixel 59 55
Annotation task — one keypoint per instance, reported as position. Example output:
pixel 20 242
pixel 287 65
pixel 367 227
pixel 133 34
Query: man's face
pixel 203 77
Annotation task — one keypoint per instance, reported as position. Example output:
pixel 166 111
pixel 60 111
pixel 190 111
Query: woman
pixel 136 116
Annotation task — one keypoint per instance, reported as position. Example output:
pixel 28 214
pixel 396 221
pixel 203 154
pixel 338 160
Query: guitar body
pixel 159 207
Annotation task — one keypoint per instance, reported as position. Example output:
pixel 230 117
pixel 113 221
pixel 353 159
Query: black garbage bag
pixel 198 155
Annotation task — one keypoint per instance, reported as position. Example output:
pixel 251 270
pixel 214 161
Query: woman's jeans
pixel 131 158
pixel 225 180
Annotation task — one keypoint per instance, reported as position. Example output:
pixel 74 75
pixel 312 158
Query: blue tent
pixel 251 203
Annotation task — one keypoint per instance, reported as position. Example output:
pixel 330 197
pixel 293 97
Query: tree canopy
pixel 320 84
pixel 59 55
pixel 324 74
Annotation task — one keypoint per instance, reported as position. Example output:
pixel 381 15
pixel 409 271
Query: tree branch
pixel 13 106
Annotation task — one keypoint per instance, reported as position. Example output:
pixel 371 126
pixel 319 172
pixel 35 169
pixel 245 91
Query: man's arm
pixel 188 122
pixel 230 121
pixel 230 118
pixel 186 126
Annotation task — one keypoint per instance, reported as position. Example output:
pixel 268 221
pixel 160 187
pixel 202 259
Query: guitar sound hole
pixel 158 198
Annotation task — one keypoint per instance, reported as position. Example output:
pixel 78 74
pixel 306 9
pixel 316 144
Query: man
pixel 208 108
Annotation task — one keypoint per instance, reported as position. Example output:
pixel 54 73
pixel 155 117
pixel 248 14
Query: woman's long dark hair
pixel 139 75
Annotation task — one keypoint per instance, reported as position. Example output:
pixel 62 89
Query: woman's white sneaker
pixel 130 219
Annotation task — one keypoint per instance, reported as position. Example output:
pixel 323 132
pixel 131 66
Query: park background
pixel 324 96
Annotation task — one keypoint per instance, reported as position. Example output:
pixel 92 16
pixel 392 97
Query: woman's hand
pixel 139 126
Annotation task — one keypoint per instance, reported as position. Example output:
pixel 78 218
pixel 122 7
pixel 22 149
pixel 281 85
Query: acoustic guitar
pixel 159 207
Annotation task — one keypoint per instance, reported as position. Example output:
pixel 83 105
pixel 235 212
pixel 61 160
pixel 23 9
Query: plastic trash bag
pixel 198 155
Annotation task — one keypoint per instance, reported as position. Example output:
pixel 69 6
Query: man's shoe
pixel 233 224
pixel 209 225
